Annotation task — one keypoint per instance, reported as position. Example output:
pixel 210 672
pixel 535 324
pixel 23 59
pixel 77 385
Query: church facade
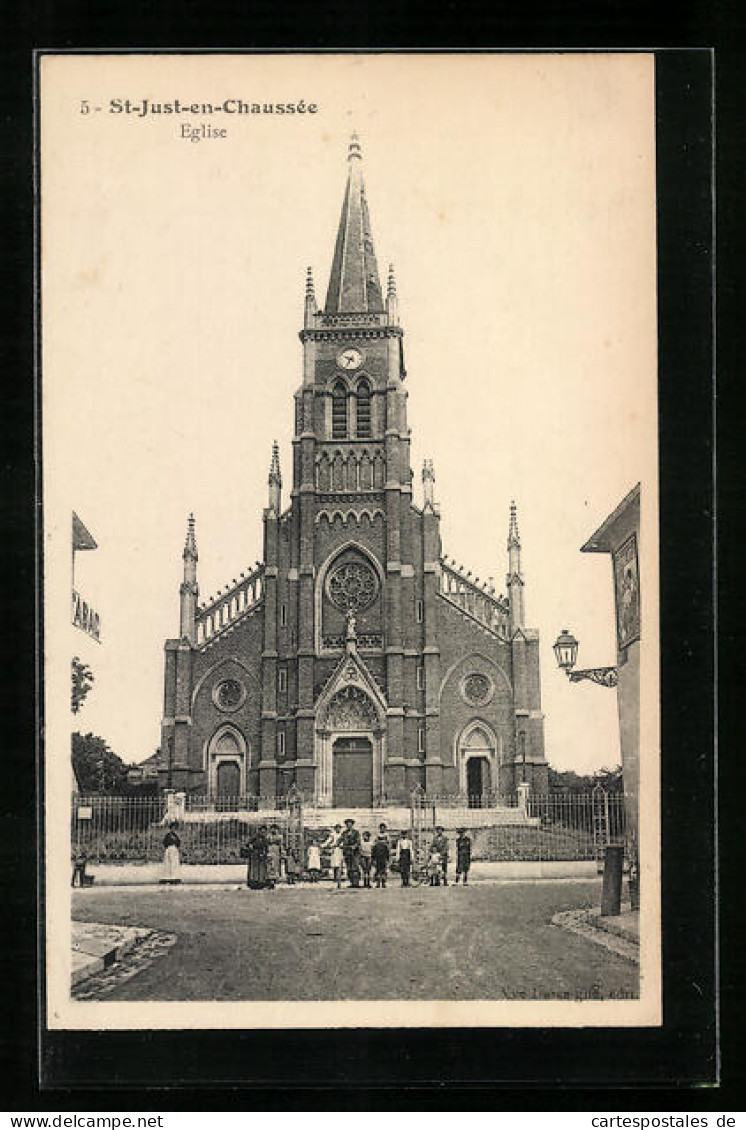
pixel 355 662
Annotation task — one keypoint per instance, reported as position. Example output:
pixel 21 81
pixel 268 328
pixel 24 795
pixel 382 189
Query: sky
pixel 514 195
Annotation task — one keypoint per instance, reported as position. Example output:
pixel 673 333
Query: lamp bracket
pixel 604 676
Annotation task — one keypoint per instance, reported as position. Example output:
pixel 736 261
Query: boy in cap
pixel 380 855
pixel 440 844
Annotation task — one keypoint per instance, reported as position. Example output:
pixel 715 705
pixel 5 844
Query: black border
pixel 683 1051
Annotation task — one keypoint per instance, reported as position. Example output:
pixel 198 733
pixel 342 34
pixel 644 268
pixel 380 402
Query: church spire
pixel 310 308
pixel 190 545
pixel 275 480
pixel 392 305
pixel 428 485
pixel 354 284
pixel 515 576
pixel 189 590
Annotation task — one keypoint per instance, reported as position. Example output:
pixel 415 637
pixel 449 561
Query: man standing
pixel 349 841
pixel 440 844
pixel 463 855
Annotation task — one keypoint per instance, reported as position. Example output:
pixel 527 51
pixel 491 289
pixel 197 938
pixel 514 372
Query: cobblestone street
pixel 491 941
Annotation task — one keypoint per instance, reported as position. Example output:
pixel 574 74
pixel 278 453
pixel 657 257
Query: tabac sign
pixel 85 618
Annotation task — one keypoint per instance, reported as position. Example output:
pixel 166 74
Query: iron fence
pixel 111 829
pixel 555 826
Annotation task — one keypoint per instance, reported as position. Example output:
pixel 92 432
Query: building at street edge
pixel 356 662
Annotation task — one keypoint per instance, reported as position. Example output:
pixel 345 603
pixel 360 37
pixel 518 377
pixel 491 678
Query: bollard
pixel 611 894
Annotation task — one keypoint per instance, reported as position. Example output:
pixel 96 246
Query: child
pixel 337 859
pixel 366 858
pixel 292 866
pixel 80 862
pixel 380 857
pixel 314 862
pixel 434 867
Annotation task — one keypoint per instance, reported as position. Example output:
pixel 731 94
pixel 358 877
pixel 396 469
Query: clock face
pixel 350 359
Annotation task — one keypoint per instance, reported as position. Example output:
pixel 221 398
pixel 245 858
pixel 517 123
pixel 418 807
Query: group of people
pixel 363 860
pixel 267 857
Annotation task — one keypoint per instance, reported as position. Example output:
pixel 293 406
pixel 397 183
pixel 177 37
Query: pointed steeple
pixel 354 284
pixel 310 306
pixel 514 540
pixel 428 485
pixel 392 304
pixel 275 480
pixel 189 589
pixel 514 579
pixel 190 545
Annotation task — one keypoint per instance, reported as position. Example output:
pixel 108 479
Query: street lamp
pixel 565 648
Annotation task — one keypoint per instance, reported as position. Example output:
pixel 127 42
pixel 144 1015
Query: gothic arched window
pixel 363 410
pixel 339 411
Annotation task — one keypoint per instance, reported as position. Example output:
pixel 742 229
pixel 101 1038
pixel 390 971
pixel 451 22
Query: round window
pixel 229 694
pixel 477 689
pixel 352 587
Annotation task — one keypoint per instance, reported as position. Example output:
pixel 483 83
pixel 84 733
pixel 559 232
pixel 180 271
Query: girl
pixel 314 862
pixel 337 858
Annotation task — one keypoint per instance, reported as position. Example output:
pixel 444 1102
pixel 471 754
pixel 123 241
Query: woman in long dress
pixel 257 852
pixel 171 856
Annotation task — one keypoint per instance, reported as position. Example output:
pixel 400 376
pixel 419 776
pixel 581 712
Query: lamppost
pixel 565 648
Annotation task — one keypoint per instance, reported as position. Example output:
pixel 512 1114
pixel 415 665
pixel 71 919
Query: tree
pixel 97 768
pixel 570 783
pixel 82 682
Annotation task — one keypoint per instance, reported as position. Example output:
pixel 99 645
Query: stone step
pixel 397 818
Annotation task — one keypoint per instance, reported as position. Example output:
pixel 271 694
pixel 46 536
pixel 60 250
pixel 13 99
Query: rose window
pixel 229 694
pixel 477 689
pixel 352 587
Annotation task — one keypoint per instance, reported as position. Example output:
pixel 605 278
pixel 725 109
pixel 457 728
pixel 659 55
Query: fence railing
pixel 554 826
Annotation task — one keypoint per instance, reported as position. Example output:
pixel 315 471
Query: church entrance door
pixel 477 780
pixel 352 773
pixel 228 779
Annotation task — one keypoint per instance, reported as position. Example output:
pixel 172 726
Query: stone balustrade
pixel 224 610
pixel 478 600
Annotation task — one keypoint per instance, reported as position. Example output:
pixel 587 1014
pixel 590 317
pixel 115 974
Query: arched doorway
pixel 349 749
pixel 477 763
pixel 227 764
pixel 228 779
pixel 477 780
pixel 352 772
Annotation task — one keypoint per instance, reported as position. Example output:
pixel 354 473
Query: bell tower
pixel 352 481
